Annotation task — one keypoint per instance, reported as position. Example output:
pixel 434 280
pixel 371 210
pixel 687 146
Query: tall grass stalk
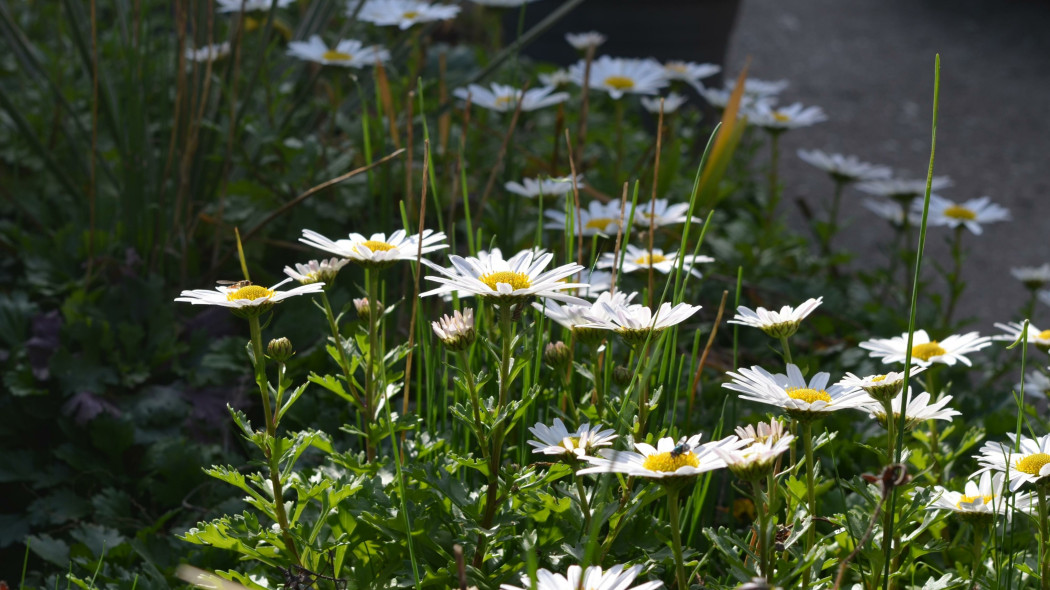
pixel 888 533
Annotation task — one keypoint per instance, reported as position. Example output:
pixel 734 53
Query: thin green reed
pixel 431 175
pixel 887 538
pixel 679 287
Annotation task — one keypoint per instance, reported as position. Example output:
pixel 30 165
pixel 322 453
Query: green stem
pixel 833 222
pixel 371 385
pixel 978 547
pixel 763 524
pixel 599 398
pixel 344 361
pixel 273 460
pixel 619 139
pixel 787 350
pixel 774 182
pixel 584 504
pixel 955 282
pixel 1044 539
pixel 676 537
pixel 472 389
pixel 811 494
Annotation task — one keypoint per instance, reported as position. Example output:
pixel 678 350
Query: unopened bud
pixel 280 349
pixel 364 309
pixel 622 376
pixel 456 331
pixel 557 354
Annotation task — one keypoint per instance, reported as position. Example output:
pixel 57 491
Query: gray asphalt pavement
pixel 869 64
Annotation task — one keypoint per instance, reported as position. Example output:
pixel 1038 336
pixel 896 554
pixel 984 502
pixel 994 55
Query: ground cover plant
pixel 356 295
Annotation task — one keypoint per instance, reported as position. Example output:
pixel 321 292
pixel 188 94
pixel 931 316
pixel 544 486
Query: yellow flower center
pixel 878 379
pixel 570 442
pixel 516 280
pixel 1044 335
pixel 971 499
pixel 808 395
pixel 251 292
pixel 778 116
pixel 504 100
pixel 957 212
pixel 619 82
pixel 676 68
pixel 600 223
pixel 665 462
pixel 333 55
pixel 646 260
pixel 1033 463
pixel 927 350
pixel 377 246
pixel 411 14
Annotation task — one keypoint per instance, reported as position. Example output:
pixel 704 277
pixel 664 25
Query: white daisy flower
pixel 1033 277
pixel 208 52
pixel 316 271
pixel 690 72
pixel 981 499
pixel 547 187
pixel 597 219
pixel 925 352
pixel 1036 384
pixel 503 99
pixel 635 258
pixel 755 461
pixel 249 5
pixel 791 392
pixel 762 88
pixel 455 331
pixel 584 41
pixel 880 387
pixel 1036 337
pixel 347 53
pixel 557 440
pixel 556 78
pixel 619 76
pixel 918 411
pixel 615 578
pixel 379 250
pixel 970 214
pixel 402 13
pixel 506 280
pixel 844 168
pixel 588 322
pixel 891 211
pixel 688 458
pixel 719 98
pixel 1029 464
pixel 902 189
pixel 777 324
pixel 672 102
pixel 763 432
pixel 635 322
pixel 244 298
pixel 776 119
pixel 660 213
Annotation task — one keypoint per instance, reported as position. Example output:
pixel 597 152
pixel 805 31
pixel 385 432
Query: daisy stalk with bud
pixel 250 301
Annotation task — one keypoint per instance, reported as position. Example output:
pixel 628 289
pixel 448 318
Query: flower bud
pixel 557 354
pixel 280 349
pixel 364 309
pixel 622 376
pixel 456 332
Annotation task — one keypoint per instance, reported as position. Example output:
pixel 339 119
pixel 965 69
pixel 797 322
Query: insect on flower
pixel 681 448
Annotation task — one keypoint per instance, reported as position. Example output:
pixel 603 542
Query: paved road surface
pixel 869 64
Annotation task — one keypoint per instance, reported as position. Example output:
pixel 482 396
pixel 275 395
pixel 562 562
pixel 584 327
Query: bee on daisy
pixel 245 299
pixel 668 459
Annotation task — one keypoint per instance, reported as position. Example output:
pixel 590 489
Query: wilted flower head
pixel 456 331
